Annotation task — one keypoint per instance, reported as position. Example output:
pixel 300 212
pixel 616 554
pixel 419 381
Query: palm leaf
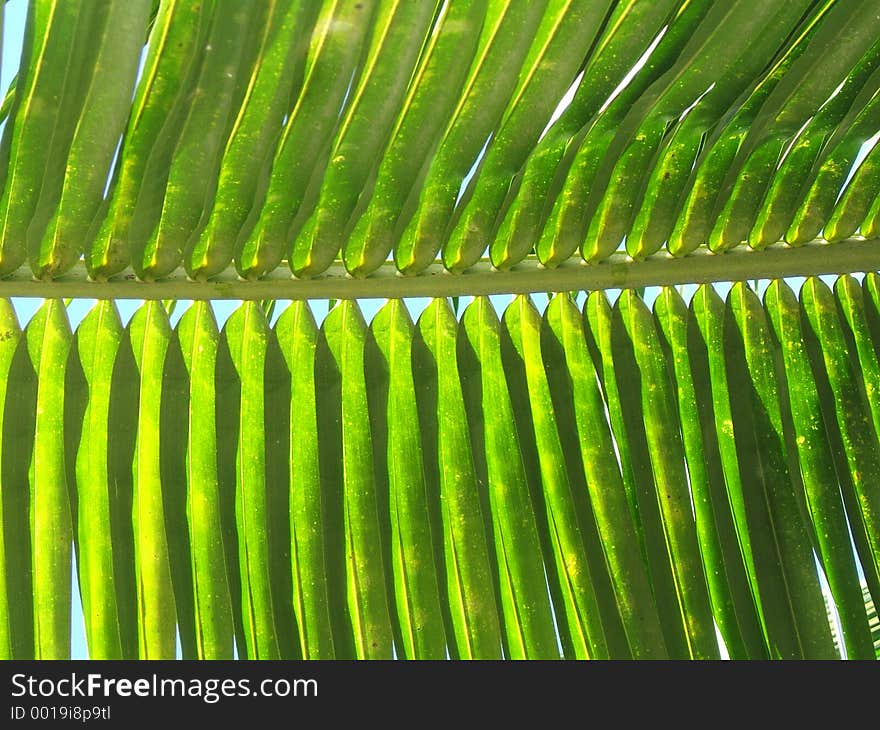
pixel 614 481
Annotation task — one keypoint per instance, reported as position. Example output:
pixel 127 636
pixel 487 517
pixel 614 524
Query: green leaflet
pixel 694 218
pixel 54 248
pixel 246 337
pixel 50 36
pixel 82 64
pixel 559 47
pixel 565 220
pixel 710 378
pixel 662 432
pixel 870 226
pixel 597 330
pixel 858 308
pixel 471 612
pixel 708 138
pixel 575 389
pixel 846 407
pixel 729 588
pixel 415 587
pixel 158 245
pixel 506 37
pixel 151 134
pixel 369 623
pixel 817 468
pixel 48 343
pixel 377 451
pixel 297 338
pixel 174 421
pixel 628 33
pixel 148 337
pixel 857 208
pixel 616 368
pixel 17 398
pixel 212 599
pixel 574 585
pixel 420 123
pixel 400 27
pixel 796 172
pixel 621 177
pixel 103 490
pixel 277 433
pixel 275 73
pixel 333 55
pixel 525 604
pixel 820 210
pixel 788 585
pixel 809 82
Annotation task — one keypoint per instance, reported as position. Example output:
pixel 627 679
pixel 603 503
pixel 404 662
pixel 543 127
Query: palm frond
pixel 651 475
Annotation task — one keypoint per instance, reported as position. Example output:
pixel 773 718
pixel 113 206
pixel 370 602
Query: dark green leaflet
pixel 831 140
pixel 369 623
pixel 710 378
pixel 148 337
pixel 790 595
pixel 119 38
pixel 152 132
pixel 795 172
pixel 560 45
pixel 400 27
pixel 82 64
pixel 48 344
pixel 565 218
pixel 852 29
pixel 729 588
pixel 102 492
pixel 820 209
pixel 49 43
pixel 525 604
pixel 858 307
pixel 817 469
pixel 576 390
pixel 278 408
pixel 474 630
pixel 857 208
pixel 416 590
pixel 621 177
pixel 214 631
pixel 613 360
pixel 627 35
pixel 832 358
pixel 275 73
pixel 662 432
pixel 420 124
pixel 597 328
pixel 158 246
pixel 870 226
pixel 246 335
pixel 578 612
pixel 334 52
pixel 17 398
pixel 711 131
pixel 507 32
